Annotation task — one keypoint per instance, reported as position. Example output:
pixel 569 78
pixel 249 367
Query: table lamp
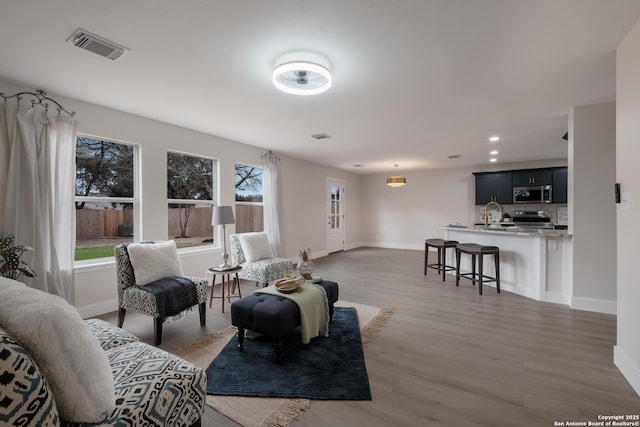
pixel 223 215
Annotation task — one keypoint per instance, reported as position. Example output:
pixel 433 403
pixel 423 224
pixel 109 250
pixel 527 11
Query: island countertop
pixel 514 230
pixel 532 261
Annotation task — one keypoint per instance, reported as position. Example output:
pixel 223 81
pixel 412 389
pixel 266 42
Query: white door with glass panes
pixel 335 215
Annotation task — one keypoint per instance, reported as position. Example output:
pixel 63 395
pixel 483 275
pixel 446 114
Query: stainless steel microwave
pixel 532 194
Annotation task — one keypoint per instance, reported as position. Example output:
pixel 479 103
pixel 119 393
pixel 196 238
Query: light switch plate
pixel 625 201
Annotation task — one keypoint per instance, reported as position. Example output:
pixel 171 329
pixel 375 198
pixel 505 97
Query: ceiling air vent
pixel 321 136
pixel 96 44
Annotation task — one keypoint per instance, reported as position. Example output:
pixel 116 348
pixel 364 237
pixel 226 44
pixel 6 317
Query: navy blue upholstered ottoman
pixel 273 315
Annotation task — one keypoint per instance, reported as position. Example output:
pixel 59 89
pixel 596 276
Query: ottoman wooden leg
pixel 240 339
pixel 277 346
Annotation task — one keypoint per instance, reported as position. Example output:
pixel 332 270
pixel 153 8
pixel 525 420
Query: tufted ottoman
pixel 273 315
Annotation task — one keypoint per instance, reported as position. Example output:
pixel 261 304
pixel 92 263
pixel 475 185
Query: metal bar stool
pixel 442 246
pixel 478 251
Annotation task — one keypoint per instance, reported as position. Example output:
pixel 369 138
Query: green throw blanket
pixel 314 309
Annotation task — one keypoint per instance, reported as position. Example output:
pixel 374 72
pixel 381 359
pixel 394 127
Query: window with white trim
pixel 105 199
pixel 190 194
pixel 249 205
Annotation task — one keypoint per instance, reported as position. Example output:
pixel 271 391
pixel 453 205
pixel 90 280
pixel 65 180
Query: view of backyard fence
pixel 106 227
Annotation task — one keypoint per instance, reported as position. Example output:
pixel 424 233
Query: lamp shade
pixel 222 215
pixel 396 181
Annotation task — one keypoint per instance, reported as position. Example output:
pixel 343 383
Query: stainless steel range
pixel 533 219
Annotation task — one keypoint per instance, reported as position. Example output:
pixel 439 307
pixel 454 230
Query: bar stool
pixel 442 246
pixel 478 251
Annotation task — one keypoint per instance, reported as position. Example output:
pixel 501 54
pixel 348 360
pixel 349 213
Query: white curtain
pixel 271 201
pixel 38 184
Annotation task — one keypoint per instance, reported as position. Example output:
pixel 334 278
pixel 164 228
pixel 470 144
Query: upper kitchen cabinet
pixel 532 177
pixel 559 189
pixel 493 187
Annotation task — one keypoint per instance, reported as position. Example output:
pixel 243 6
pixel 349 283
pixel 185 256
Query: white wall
pixel 305 210
pixel 404 217
pixel 592 216
pixel 627 350
pixel 304 218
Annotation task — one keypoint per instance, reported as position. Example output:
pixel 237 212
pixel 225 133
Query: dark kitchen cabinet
pixel 532 177
pixel 560 183
pixel 493 187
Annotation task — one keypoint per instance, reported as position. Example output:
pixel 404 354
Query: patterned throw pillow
pixel 25 397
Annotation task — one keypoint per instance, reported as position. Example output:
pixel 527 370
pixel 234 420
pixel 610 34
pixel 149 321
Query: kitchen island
pixel 532 261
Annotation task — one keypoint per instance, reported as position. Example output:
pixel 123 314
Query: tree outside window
pixel 105 196
pixel 190 191
pixel 249 207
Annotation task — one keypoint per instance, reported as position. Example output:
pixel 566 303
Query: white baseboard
pixel 556 297
pixel 597 305
pixel 97 309
pixel 629 370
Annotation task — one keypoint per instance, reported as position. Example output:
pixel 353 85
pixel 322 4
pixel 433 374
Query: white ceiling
pixel 413 81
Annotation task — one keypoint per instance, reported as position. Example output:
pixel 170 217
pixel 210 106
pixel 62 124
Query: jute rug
pixel 270 412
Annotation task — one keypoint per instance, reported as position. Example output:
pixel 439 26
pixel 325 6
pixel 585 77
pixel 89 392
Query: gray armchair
pixel 252 252
pixel 164 298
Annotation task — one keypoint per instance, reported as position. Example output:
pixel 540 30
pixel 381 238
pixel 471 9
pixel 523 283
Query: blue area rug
pixel 328 368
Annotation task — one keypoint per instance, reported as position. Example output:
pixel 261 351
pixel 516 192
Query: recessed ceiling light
pixel 493 160
pixel 494 138
pixel 302 78
pixel 493 153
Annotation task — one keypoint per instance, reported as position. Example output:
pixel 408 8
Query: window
pixel 105 196
pixel 249 208
pixel 190 191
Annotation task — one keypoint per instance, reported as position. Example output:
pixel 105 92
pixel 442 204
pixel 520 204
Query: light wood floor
pixel 449 357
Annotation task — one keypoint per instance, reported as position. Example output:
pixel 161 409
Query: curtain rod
pixel 41 99
pixel 270 156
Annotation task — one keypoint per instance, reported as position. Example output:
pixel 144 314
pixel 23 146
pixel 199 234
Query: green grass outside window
pixel 100 252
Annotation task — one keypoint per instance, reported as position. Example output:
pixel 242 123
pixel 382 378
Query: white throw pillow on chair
pixel 154 261
pixel 255 246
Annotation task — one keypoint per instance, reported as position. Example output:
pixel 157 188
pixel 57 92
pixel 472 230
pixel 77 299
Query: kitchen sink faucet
pixel 486 212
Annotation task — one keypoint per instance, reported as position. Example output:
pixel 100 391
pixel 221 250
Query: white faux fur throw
pixel 154 261
pixel 69 356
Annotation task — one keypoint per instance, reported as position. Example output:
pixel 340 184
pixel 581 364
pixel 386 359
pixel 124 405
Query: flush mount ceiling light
pixel 302 78
pixel 396 180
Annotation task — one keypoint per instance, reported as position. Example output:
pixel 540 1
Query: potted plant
pixel 506 217
pixel 11 264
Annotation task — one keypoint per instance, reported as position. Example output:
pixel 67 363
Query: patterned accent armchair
pixel 261 271
pixel 136 298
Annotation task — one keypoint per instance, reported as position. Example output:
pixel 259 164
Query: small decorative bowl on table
pixel 289 285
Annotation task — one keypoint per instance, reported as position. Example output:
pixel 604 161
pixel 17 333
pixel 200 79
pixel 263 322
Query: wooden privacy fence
pixel 249 218
pixel 92 223
pixel 199 223
pixel 97 223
